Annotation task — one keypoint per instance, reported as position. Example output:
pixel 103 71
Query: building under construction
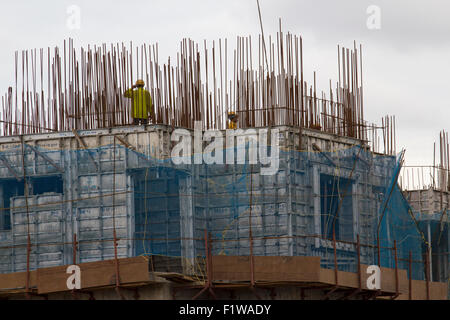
pixel 81 186
pixel 427 189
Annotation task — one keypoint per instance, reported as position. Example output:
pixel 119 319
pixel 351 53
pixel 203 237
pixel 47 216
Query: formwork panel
pixel 155 210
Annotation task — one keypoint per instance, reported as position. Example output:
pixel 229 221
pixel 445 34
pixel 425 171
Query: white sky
pixel 406 62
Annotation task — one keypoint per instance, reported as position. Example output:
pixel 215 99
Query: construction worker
pixel 232 120
pixel 142 103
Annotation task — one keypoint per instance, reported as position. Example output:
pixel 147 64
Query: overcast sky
pixel 406 61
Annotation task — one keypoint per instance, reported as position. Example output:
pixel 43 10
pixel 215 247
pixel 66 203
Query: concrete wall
pixel 431 208
pixel 428 201
pixel 86 205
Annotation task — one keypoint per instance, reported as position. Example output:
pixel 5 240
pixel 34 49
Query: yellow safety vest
pixel 142 102
pixel 232 125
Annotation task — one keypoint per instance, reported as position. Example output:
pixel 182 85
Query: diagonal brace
pixel 45 157
pixel 9 167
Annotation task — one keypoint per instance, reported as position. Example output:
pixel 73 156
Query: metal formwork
pixel 122 183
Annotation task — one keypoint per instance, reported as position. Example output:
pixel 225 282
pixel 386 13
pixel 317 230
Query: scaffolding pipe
pixel 430 250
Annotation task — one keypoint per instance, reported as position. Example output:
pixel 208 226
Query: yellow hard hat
pixel 232 116
pixel 140 83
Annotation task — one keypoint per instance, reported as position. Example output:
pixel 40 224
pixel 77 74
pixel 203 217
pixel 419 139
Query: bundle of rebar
pixel 64 90
pixel 444 163
pixel 436 176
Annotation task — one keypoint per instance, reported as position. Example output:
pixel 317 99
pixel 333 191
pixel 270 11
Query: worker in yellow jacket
pixel 142 103
pixel 233 119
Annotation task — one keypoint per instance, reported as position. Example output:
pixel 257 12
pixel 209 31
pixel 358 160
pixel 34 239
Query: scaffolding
pixel 115 194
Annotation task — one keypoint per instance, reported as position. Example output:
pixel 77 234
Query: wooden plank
pixel 299 269
pixel 438 291
pixel 267 268
pixel 350 279
pixel 94 274
pixel 16 281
